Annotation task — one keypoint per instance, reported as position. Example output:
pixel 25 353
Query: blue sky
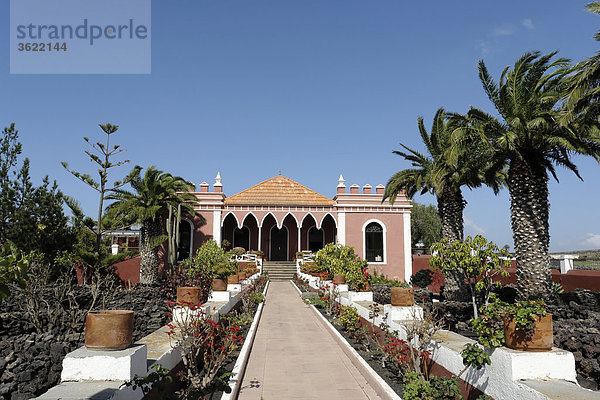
pixel 314 88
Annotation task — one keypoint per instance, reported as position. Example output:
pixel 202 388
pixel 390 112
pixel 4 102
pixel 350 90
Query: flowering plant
pixel 205 346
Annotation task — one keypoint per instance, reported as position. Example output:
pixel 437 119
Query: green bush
pixel 340 259
pixel 13 268
pixel 416 387
pixel 212 260
pixel 348 318
pixel 422 278
pixel 381 279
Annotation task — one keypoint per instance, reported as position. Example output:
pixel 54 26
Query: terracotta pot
pixel 233 279
pixel 364 288
pixel 189 295
pixel 108 329
pixel 402 297
pixel 339 279
pixel 541 340
pixel 219 285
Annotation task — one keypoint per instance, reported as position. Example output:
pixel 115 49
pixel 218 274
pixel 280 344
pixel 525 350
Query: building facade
pixel 281 217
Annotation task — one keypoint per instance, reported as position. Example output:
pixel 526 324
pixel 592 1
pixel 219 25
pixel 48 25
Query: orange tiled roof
pixel 281 191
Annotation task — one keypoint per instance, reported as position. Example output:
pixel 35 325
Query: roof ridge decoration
pixel 279 190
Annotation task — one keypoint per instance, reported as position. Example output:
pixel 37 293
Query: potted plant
pixel 109 329
pixel 220 273
pixel 524 325
pixel 402 295
pixel 527 326
pixel 341 261
pixel 189 295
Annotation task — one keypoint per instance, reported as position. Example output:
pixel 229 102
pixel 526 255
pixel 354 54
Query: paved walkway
pixel 295 357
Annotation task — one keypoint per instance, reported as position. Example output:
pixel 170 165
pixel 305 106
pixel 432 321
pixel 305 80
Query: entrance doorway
pixel 278 250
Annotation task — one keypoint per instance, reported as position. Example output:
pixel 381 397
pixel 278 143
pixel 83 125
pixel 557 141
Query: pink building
pixel 281 217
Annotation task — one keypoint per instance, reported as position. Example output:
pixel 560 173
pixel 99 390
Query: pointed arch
pixel 250 213
pixel 237 222
pixel 308 214
pixel 262 221
pixel 285 216
pixel 320 224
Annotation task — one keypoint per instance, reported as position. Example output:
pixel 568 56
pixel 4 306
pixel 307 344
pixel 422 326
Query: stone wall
pixel 31 362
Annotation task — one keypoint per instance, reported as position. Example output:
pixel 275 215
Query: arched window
pixel 374 242
pixel 241 238
pixel 185 240
pixel 315 239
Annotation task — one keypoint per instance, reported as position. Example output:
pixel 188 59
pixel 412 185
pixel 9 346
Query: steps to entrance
pixel 279 270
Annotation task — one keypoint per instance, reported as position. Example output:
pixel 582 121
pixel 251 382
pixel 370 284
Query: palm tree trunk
pixel 148 254
pixel 529 208
pixel 450 207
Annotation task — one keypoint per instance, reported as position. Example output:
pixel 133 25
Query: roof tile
pixel 282 191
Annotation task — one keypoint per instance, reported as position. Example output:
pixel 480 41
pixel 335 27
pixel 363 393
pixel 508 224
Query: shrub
pixel 340 259
pixel 380 279
pixel 416 387
pixel 476 261
pixel 13 268
pixel 211 260
pixel 422 278
pixel 348 318
pixel 238 251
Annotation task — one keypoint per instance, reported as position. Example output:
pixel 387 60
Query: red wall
pixel 577 279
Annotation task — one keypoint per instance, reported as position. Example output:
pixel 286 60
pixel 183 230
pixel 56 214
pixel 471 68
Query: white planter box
pixel 98 365
pixel 360 296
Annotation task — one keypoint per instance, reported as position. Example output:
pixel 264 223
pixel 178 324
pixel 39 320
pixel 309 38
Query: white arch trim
pixel 246 216
pixel 236 219
pixel 283 219
pixel 262 221
pixel 364 238
pixel 325 216
pixel 306 215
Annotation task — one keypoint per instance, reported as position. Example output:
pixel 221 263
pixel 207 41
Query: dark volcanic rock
pixel 31 362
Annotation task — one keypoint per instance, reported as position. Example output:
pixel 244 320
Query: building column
pixel 299 240
pixel 259 238
pixel 407 247
pixel 217 226
pixel 341 228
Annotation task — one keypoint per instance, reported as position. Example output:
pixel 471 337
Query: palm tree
pixel 583 92
pixel 529 138
pixel 436 174
pixel 148 204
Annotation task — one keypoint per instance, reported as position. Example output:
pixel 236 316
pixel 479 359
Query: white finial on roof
pixel 341 181
pixel 218 179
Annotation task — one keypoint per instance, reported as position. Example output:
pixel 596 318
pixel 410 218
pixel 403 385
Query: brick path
pixel 295 357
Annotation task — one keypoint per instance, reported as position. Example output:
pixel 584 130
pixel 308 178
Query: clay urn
pixel 108 329
pixel 402 297
pixel 540 340
pixel 233 279
pixel 339 279
pixel 189 295
pixel 219 285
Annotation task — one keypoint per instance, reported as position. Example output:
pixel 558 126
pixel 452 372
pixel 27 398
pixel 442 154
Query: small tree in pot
pixel 477 261
pixel 341 260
